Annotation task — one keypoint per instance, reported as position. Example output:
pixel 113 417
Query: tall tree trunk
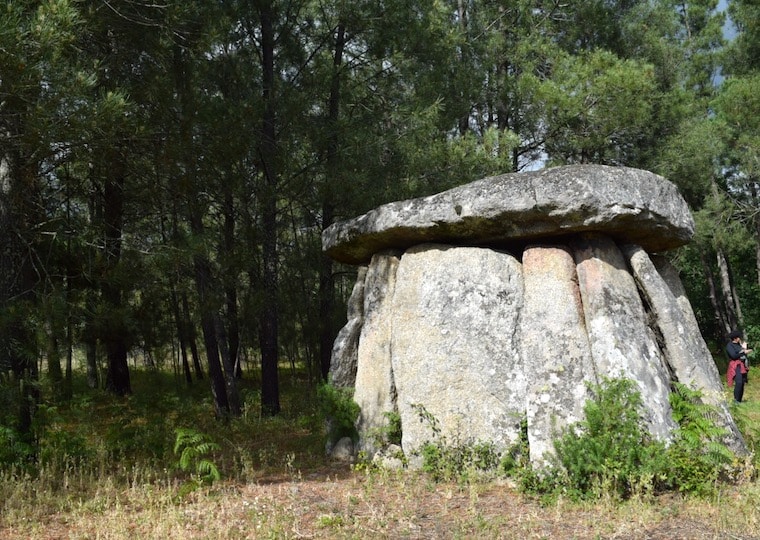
pixel 90 339
pixel 326 282
pixel 208 326
pixel 230 288
pixel 720 317
pixel 19 214
pixel 68 389
pixel 173 280
pixel 114 339
pixel 181 335
pixel 233 397
pixel 191 337
pixel 756 225
pixel 55 373
pixel 204 280
pixel 268 156
pixel 728 292
pixel 68 384
pixel 464 58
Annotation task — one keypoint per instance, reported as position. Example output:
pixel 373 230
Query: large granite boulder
pixel 630 205
pixel 441 290
pixel 537 284
pixel 622 343
pixel 682 343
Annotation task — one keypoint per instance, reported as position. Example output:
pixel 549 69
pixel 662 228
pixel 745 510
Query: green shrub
pixel 610 452
pixel 517 458
pixel 58 446
pixel 447 460
pixel 393 431
pixel 339 410
pixel 13 450
pixel 515 463
pixel 697 455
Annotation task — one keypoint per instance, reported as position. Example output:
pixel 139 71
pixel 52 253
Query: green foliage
pixel 393 430
pixel 598 107
pixel 697 456
pixel 515 463
pixel 13 450
pixel 340 410
pixel 194 449
pixel 447 459
pixel 59 444
pixel 610 453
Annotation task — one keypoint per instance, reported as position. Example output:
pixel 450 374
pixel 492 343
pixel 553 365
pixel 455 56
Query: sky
pixel 728 29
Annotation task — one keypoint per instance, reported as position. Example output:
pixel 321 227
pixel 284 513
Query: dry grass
pixel 294 493
pixel 337 503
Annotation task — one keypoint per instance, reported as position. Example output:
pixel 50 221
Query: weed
pixel 392 432
pixel 330 521
pixel 697 456
pixel 611 453
pixel 13 450
pixel 447 460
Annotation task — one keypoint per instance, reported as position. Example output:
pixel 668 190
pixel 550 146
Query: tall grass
pixel 107 469
pixel 99 451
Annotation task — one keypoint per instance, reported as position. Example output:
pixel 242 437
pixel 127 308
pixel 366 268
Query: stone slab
pixel 629 205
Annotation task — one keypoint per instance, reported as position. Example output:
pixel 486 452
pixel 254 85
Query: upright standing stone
pixel 455 346
pixel 685 350
pixel 622 344
pixel 557 355
pixel 345 351
pixel 375 390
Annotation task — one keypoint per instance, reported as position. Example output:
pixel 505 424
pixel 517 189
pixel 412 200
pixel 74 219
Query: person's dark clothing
pixel 739 371
pixel 734 350
pixel 736 369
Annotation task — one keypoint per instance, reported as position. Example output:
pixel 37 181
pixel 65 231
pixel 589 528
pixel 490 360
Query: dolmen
pixel 493 305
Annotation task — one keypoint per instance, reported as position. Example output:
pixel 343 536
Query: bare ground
pixel 338 503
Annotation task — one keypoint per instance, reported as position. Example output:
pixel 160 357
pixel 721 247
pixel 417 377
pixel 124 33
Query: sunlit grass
pixel 111 473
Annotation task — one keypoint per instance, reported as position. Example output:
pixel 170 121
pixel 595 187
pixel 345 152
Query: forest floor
pixel 339 503
pixel 290 491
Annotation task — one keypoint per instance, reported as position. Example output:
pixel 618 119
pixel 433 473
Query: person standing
pixel 737 369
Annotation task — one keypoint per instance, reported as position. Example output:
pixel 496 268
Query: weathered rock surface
pixel 343 450
pixel 475 394
pixel 345 351
pixel 685 350
pixel 558 363
pixel 464 343
pixel 622 344
pixel 375 390
pixel 630 205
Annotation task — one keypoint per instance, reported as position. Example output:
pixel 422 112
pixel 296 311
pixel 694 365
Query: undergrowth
pixel 609 454
pixel 94 452
pixel 100 435
pixel 448 458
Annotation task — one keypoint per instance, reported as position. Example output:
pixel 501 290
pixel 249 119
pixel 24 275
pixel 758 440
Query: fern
pixel 697 455
pixel 194 448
